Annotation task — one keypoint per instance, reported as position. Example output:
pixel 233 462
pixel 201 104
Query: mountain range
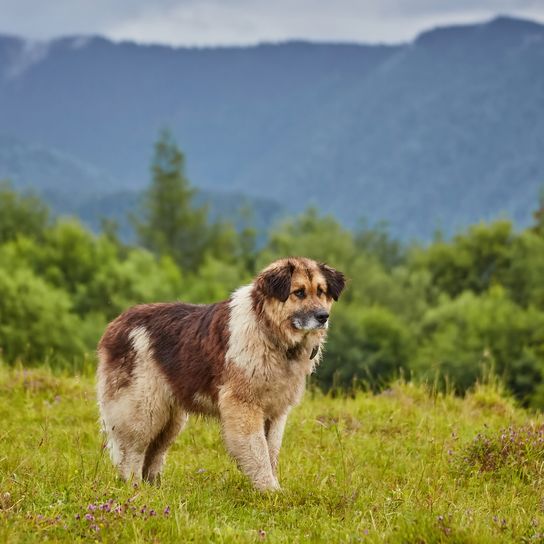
pixel 438 133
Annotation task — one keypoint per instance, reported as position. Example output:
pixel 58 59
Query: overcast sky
pixel 216 22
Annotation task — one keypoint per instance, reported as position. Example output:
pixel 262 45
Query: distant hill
pixel 440 132
pixel 120 205
pixel 72 187
pixel 48 169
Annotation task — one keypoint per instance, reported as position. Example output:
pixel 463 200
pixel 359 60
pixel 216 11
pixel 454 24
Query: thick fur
pixel 244 360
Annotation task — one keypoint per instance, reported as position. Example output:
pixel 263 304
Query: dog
pixel 243 360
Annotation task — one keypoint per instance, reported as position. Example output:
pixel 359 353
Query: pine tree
pixel 538 215
pixel 170 223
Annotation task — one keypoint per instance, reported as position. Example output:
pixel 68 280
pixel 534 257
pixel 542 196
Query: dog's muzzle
pixel 309 321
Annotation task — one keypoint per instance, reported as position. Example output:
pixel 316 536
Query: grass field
pixel 404 466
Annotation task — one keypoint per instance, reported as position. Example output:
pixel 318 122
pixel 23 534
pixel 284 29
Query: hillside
pixel 71 187
pixel 441 132
pixel 405 466
pixel 121 205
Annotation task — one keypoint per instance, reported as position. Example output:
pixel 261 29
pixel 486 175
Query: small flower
pixel 77 516
pixel 89 517
pixel 167 511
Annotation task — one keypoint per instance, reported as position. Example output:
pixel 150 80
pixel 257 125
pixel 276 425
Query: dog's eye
pixel 299 293
pixel 319 291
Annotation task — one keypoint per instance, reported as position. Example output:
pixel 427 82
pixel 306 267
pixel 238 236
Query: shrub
pixel 36 320
pixel 370 344
pixel 460 337
pixel 519 449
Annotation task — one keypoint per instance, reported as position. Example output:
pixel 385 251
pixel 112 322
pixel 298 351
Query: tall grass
pixel 408 465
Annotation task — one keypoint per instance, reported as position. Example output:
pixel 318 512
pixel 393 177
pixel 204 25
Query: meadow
pixel 411 464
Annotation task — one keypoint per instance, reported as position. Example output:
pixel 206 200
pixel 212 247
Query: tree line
pixel 448 312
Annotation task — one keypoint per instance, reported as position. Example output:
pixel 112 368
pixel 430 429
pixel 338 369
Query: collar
pixel 296 351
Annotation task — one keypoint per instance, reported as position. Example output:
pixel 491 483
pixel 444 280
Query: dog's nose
pixel 322 316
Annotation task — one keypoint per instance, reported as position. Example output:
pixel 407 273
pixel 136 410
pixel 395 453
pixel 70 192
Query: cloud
pixel 212 22
pixel 30 54
pixel 243 21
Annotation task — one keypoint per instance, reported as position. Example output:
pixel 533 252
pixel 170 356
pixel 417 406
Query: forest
pixel 451 312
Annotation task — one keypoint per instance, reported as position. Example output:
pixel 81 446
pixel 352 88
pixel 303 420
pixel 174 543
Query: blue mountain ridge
pixel 441 132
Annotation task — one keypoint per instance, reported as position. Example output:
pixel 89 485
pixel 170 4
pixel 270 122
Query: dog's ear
pixel 277 282
pixel 336 281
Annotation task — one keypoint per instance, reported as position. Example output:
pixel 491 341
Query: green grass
pixel 404 466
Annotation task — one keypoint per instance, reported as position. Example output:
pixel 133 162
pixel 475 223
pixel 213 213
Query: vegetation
pixel 172 223
pixel 447 313
pixel 413 463
pixel 409 465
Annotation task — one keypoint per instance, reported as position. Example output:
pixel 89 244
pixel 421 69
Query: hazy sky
pixel 212 22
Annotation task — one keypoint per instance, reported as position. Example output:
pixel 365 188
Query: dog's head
pixel 296 294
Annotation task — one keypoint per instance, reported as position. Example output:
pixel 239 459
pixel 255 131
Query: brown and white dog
pixel 243 360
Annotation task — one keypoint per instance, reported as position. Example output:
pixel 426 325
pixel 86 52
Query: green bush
pixel 462 337
pixel 36 321
pixel 453 310
pixel 21 214
pixel 366 344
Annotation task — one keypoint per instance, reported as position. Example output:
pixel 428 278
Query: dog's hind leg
pixel 156 451
pixel 127 451
pixel 130 467
pixel 132 425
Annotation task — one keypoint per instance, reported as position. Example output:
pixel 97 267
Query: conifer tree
pixel 170 223
pixel 538 215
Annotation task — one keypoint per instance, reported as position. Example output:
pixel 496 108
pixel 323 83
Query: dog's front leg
pixel 274 436
pixel 243 431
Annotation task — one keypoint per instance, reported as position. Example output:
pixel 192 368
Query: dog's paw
pixel 268 487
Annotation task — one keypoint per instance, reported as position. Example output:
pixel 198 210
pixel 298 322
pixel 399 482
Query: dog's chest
pixel 280 385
